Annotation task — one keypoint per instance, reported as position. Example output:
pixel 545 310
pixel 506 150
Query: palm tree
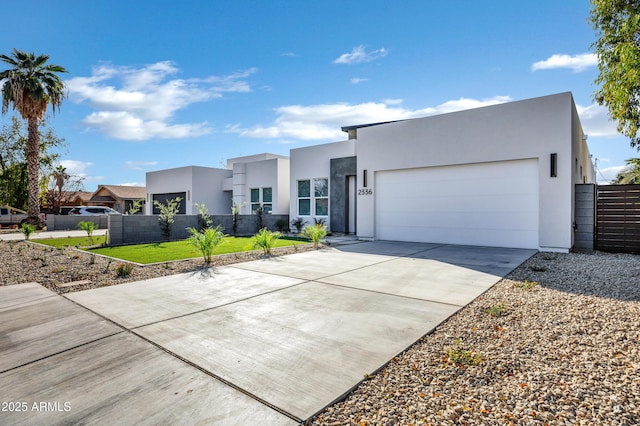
pixel 631 174
pixel 29 86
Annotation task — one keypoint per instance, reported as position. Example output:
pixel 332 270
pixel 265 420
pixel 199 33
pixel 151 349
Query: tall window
pixel 262 197
pixel 313 200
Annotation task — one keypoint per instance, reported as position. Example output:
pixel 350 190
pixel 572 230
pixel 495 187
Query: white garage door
pixel 486 204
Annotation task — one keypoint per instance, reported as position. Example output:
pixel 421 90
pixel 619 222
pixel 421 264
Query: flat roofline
pixel 359 126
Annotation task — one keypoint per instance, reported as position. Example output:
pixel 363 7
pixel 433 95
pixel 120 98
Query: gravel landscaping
pixel 556 342
pixel 58 269
pixel 559 343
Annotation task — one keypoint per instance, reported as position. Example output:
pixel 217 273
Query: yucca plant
pixel 266 239
pixel 206 241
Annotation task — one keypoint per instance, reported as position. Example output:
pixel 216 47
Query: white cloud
pixel 577 63
pixel 139 165
pixel 76 168
pixel 357 80
pixel 359 55
pixel 79 169
pixel 324 121
pixel 596 122
pixel 132 184
pixel 607 174
pixel 138 103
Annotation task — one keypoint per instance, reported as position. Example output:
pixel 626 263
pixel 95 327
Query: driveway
pixel 273 341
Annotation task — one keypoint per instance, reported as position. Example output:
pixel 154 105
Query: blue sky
pixel 161 84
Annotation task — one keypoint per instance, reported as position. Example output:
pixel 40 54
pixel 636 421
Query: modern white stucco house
pixel 501 175
pixel 250 181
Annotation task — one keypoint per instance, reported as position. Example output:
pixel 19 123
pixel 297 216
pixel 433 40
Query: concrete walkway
pixel 40 235
pixel 272 341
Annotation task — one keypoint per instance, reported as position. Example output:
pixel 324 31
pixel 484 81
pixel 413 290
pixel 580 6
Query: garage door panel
pixel 494 204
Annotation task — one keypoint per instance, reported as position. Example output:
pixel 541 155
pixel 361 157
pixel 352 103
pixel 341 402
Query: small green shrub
pixel 206 241
pixel 537 268
pixel 265 239
pixel 281 225
pixel 315 233
pixel 298 223
pixel 27 229
pixel 497 311
pixel 526 284
pixel 123 270
pixel 461 357
pixel 88 227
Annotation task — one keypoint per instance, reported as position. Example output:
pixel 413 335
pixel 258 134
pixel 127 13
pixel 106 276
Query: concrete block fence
pixel 57 222
pixel 125 229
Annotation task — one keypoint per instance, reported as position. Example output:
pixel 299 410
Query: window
pixel 321 195
pixel 265 201
pixel 318 202
pixel 255 199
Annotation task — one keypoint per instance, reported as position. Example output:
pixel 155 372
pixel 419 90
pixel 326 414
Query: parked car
pixel 10 216
pixel 91 211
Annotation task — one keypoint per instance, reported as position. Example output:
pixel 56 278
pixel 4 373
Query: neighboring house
pixel 501 175
pixel 118 197
pixel 250 182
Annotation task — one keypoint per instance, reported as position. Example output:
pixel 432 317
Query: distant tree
pixel 29 86
pixel 618 50
pixel 631 174
pixel 13 160
pixel 60 185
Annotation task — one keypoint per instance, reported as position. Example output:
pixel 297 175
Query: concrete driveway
pixel 273 341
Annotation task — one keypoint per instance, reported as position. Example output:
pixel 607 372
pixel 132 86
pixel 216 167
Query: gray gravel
pixel 565 351
pixel 22 261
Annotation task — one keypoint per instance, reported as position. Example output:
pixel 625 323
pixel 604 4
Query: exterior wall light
pixel 554 165
pixel 364 178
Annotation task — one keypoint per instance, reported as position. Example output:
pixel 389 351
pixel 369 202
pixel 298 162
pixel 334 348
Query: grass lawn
pixel 71 241
pixel 178 250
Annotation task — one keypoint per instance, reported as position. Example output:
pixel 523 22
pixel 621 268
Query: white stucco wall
pixel 529 129
pixel 201 184
pixel 314 162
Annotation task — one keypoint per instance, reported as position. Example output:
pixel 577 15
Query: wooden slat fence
pixel 618 218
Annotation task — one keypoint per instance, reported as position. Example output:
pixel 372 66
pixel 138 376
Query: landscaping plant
pixel 265 239
pixel 88 227
pixel 136 206
pixel 123 270
pixel 27 229
pixel 206 241
pixel 298 223
pixel 235 212
pixel 315 233
pixel 167 215
pixel 204 219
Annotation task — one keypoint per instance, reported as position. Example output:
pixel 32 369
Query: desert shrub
pixel 27 229
pixel 298 223
pixel 88 227
pixel 265 239
pixel 281 225
pixel 206 241
pixel 315 233
pixel 123 270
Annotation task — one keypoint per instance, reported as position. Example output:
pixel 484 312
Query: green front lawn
pixel 179 250
pixel 71 241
